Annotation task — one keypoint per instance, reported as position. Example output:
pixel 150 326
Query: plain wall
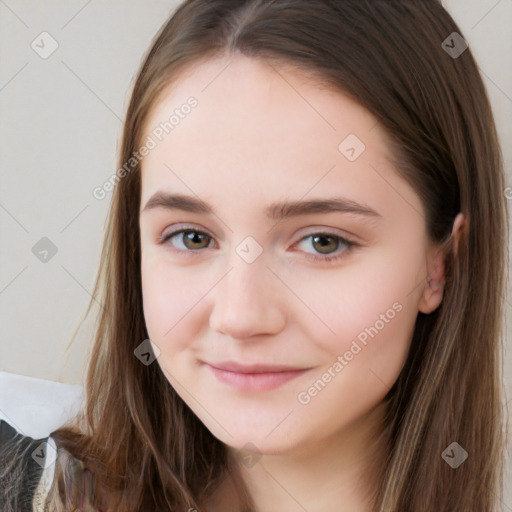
pixel 60 131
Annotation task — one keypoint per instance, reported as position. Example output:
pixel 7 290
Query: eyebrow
pixel 276 211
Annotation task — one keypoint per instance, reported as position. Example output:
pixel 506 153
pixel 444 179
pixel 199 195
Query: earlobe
pixel 434 289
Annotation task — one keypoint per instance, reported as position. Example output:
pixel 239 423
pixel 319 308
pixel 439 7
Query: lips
pixel 232 366
pixel 254 377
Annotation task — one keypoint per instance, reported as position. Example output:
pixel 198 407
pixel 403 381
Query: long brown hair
pixel 145 448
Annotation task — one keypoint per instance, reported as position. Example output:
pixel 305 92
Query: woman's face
pixel 268 323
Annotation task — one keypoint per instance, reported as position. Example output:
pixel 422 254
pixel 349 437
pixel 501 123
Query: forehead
pixel 261 96
pixel 263 129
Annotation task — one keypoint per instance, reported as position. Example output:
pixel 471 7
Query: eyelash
pixel 317 258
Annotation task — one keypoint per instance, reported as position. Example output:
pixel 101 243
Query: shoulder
pixel 23 463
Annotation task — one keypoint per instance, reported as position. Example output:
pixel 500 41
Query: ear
pixel 433 290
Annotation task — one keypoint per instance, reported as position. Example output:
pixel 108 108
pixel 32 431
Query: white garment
pixel 36 407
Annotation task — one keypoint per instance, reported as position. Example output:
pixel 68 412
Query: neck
pixel 340 473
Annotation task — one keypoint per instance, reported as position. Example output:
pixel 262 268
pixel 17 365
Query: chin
pixel 264 432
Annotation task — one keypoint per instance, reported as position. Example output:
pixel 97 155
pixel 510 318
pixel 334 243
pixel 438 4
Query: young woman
pixel 302 279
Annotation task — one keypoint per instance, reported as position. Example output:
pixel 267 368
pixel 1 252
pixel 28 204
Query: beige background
pixel 61 125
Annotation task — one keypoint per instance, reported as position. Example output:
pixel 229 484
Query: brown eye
pixel 190 239
pixel 325 243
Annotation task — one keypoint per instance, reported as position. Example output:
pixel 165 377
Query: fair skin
pixel 258 137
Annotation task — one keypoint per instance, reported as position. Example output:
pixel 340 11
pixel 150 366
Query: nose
pixel 249 300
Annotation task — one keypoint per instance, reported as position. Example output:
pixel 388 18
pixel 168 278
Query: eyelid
pixel 312 230
pixel 330 232
pixel 178 228
pixel 343 238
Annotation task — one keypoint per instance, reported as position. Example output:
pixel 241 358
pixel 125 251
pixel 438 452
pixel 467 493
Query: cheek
pixel 171 297
pixel 373 316
pixel 372 309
